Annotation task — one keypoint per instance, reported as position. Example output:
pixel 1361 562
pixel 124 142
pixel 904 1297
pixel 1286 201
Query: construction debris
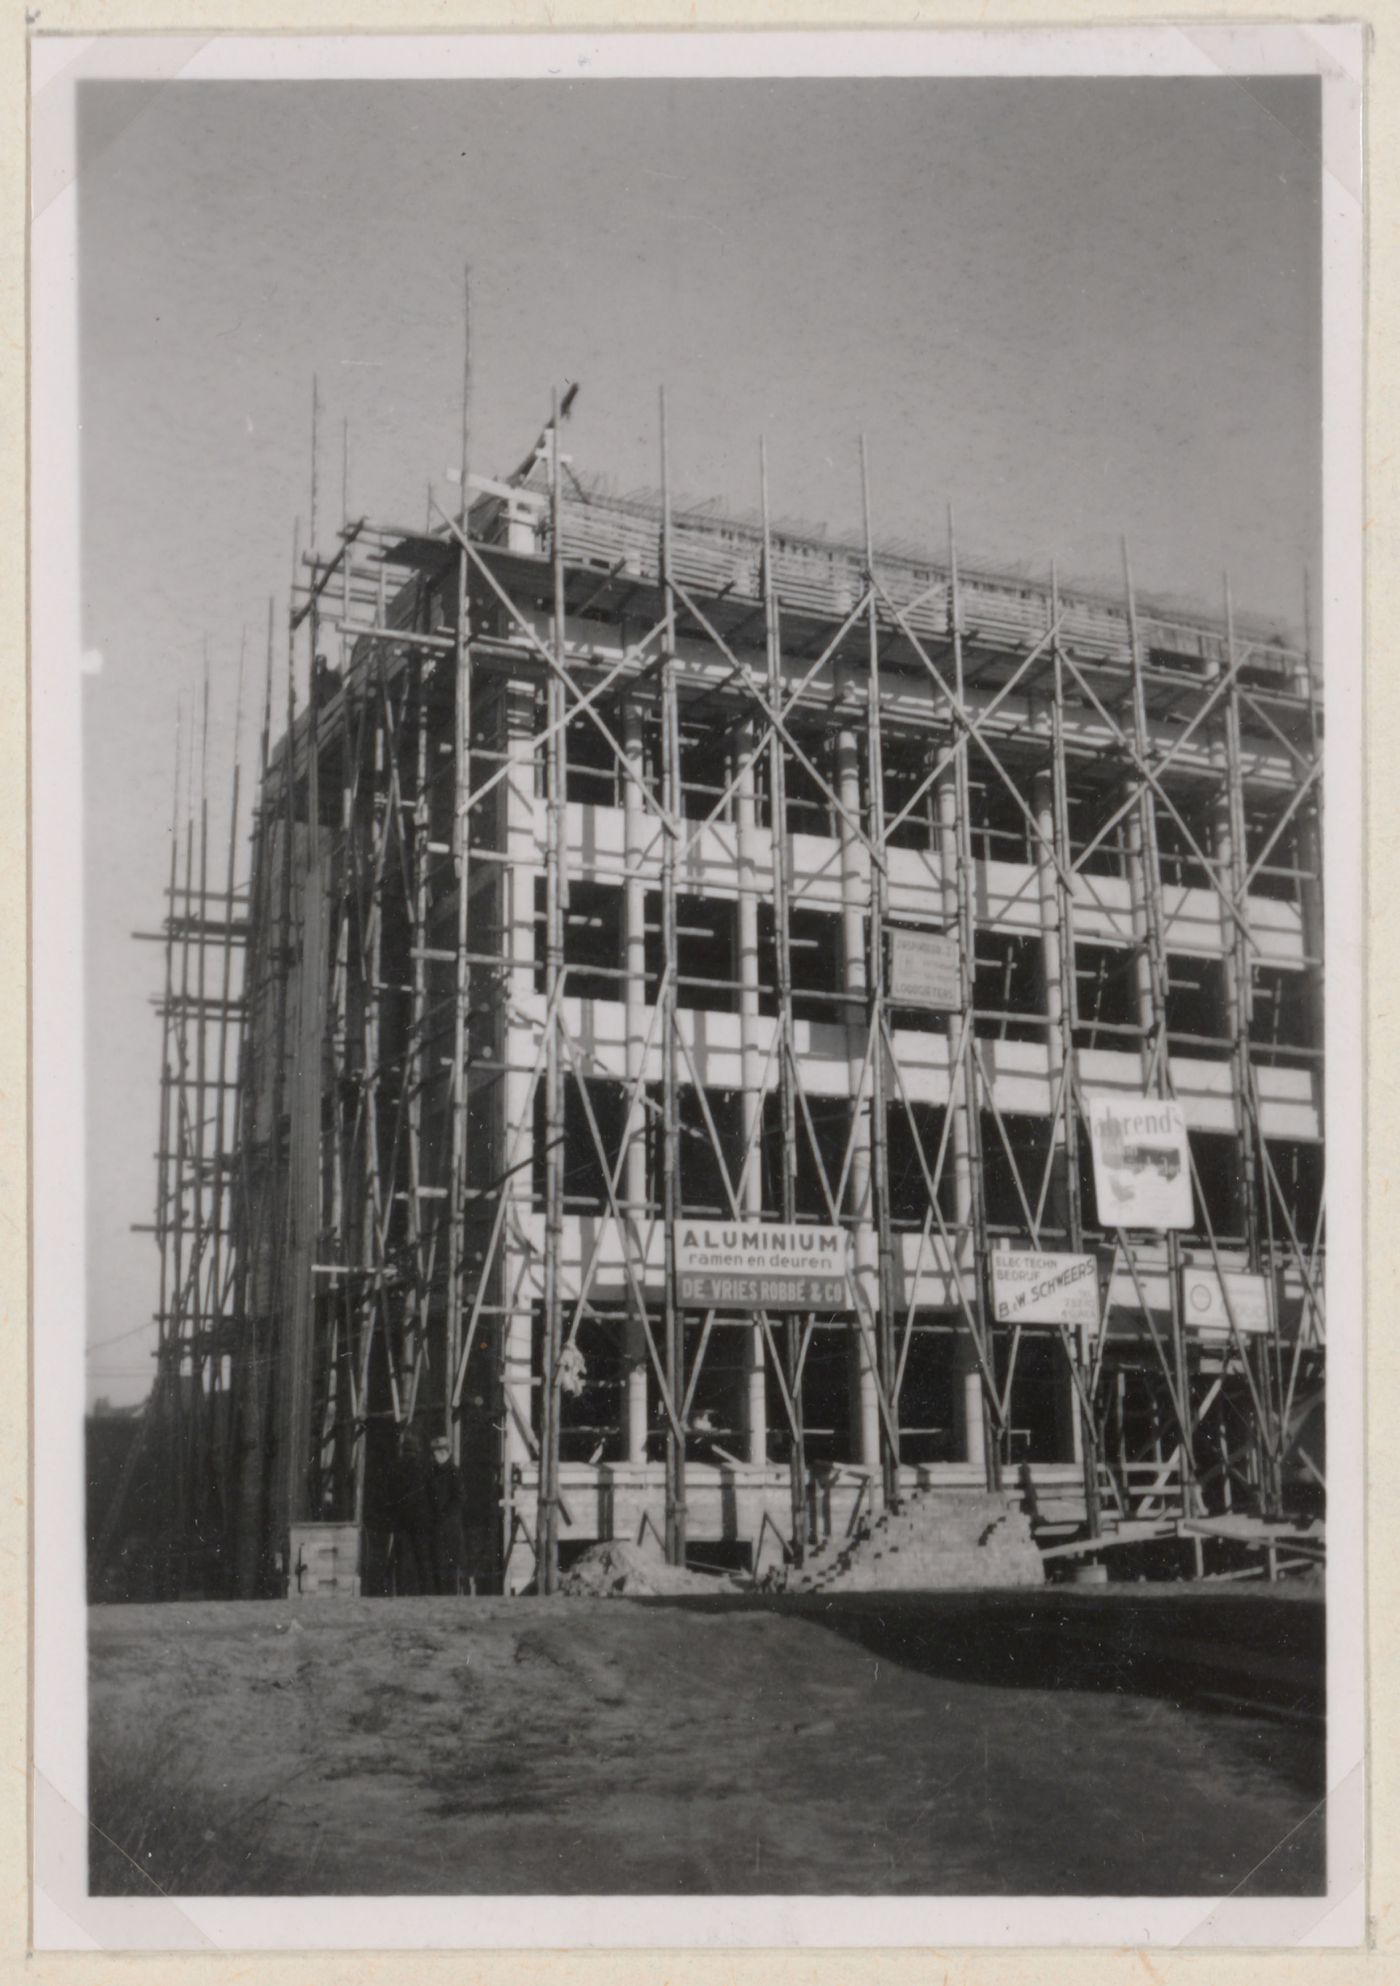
pixel 619 1569
pixel 931 1544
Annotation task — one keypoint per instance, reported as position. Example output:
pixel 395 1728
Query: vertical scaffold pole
pixel 461 841
pixel 1257 1196
pixel 547 1526
pixel 185 1267
pixel 253 1241
pixel 1069 1053
pixel 197 1321
pixel 1152 992
pixel 782 968
pixel 670 803
pixel 962 1078
pixel 170 1133
pixel 877 921
pixel 226 1317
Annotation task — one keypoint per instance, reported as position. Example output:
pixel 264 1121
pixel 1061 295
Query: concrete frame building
pixel 580 912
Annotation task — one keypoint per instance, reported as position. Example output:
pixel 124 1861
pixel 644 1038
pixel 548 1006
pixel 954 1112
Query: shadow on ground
pixel 1262 1650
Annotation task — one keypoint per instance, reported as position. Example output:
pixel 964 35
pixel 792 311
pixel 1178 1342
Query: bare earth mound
pixel 619 1568
pixel 893 1743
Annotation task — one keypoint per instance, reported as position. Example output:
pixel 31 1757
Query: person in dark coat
pixel 411 1514
pixel 449 1534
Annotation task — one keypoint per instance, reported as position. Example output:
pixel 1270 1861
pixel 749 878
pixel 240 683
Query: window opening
pixel 1281 875
pixel 1039 1422
pixel 593 940
pixel 1177 861
pixel 1089 809
pixel 906 767
pixel 1300 1168
pixel 1280 1023
pixel 700 1175
pixel 593 773
pixel 928 1398
pixel 1221 1184
pixel 817 964
pixel 585 1180
pixel 1008 986
pixel 909 1197
pixel 1105 981
pixel 706 772
pixel 1030 1140
pixel 593 1381
pixel 705 952
pixel 1197 1012
pixel 831 1121
pixel 1001 831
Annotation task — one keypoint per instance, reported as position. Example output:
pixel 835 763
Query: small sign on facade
pixel 1203 1305
pixel 1142 1162
pixel 1029 1287
pixel 761 1265
pixel 923 970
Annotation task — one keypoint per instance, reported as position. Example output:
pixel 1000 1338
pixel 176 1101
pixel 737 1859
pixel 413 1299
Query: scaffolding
pixel 575 893
pixel 184 1446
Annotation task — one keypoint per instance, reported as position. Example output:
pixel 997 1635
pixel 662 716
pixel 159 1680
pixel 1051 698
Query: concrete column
pixel 639 832
pixel 751 1069
pixel 971 1425
pixel 855 893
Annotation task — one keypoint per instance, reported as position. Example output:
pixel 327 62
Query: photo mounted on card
pixel 697 853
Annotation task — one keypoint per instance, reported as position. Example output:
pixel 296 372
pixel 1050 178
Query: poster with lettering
pixel 1142 1164
pixel 1029 1287
pixel 761 1265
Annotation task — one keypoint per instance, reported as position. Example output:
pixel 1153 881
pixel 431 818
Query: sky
pixel 1076 309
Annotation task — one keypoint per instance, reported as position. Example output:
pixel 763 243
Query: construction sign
pixel 1203 1300
pixel 923 970
pixel 761 1265
pixel 1142 1162
pixel 1029 1287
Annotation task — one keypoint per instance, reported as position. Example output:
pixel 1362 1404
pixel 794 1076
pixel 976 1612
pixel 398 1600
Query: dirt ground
pixel 1127 1742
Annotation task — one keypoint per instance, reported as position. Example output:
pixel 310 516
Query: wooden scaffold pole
pixel 962 1072
pixel 461 849
pixel 1080 1351
pixel 1146 884
pixel 877 1019
pixel 547 1527
pixel 668 995
pixel 794 1329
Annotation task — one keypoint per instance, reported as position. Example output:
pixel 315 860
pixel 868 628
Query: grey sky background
pixel 1074 308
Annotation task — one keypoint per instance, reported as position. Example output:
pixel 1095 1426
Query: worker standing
pixel 449 1536
pixel 413 1515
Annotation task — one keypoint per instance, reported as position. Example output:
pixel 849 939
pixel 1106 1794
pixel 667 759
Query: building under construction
pixel 693 983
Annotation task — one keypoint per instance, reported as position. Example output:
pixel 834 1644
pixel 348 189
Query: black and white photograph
pixel 697 991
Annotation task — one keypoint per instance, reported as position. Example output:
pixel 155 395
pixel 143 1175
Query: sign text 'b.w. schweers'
pixel 1030 1287
pixel 761 1265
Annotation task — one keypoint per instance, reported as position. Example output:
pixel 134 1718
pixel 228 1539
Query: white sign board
pixel 923 970
pixel 1142 1166
pixel 1203 1302
pixel 1031 1288
pixel 761 1265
